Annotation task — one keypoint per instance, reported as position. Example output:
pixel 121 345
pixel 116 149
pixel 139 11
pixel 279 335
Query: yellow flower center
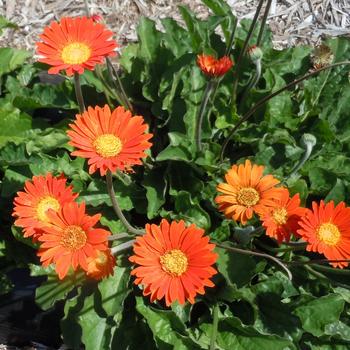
pixel 248 196
pixel 174 262
pixel 75 53
pixel 108 145
pixel 328 233
pixel 44 204
pixel 73 237
pixel 280 216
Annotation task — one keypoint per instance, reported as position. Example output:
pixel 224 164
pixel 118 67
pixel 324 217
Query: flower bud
pixel 255 53
pixel 308 140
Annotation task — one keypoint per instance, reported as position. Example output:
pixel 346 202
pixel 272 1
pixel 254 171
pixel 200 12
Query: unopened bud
pixel 255 53
pixel 97 18
pixel 308 140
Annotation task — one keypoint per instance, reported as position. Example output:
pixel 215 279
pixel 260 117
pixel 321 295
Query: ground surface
pixel 292 21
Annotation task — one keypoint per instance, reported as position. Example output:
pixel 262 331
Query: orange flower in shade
pixel 326 229
pixel 174 262
pixel 101 266
pixel 110 141
pixel 282 220
pixel 71 239
pixel 75 44
pixel 40 194
pixel 247 191
pixel 214 67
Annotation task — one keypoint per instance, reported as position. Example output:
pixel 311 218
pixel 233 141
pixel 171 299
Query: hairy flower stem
pixel 309 142
pixel 232 38
pixel 214 331
pixel 320 261
pixel 253 81
pixel 202 109
pixel 119 85
pixel 118 236
pixel 263 22
pixel 124 246
pixel 117 208
pixel 243 51
pixel 78 92
pixel 280 250
pixel 263 255
pixel 267 98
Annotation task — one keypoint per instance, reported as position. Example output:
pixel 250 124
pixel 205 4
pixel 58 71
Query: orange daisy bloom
pixel 75 44
pixel 70 238
pixel 247 191
pixel 174 262
pixel 282 220
pixel 326 229
pixel 110 141
pixel 40 194
pixel 213 67
pixel 100 266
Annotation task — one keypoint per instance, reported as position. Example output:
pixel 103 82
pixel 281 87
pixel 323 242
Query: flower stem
pixel 308 141
pixel 119 85
pixel 320 261
pixel 78 92
pixel 214 331
pixel 118 236
pixel 124 246
pixel 253 81
pixel 243 51
pixel 117 208
pixel 229 44
pixel 198 131
pixel 261 102
pixel 263 255
pixel 263 22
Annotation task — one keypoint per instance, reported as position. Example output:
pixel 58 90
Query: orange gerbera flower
pixel 101 266
pixel 247 191
pixel 40 194
pixel 282 220
pixel 212 66
pixel 111 141
pixel 174 262
pixel 326 229
pixel 75 44
pixel 71 238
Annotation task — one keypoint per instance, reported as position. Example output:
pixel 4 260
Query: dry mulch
pixel 292 21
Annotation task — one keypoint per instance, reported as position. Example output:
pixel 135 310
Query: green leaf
pixel 339 330
pixel 317 313
pixel 5 284
pixel 14 124
pixel 190 210
pixel 337 193
pixel 237 268
pixel 53 289
pixel 149 39
pixel 13 155
pixel 233 335
pixel 221 8
pixel 114 290
pixel 176 38
pixel 168 331
pixel 5 23
pixel 155 185
pixel 96 330
pixel 174 153
pixel 11 58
